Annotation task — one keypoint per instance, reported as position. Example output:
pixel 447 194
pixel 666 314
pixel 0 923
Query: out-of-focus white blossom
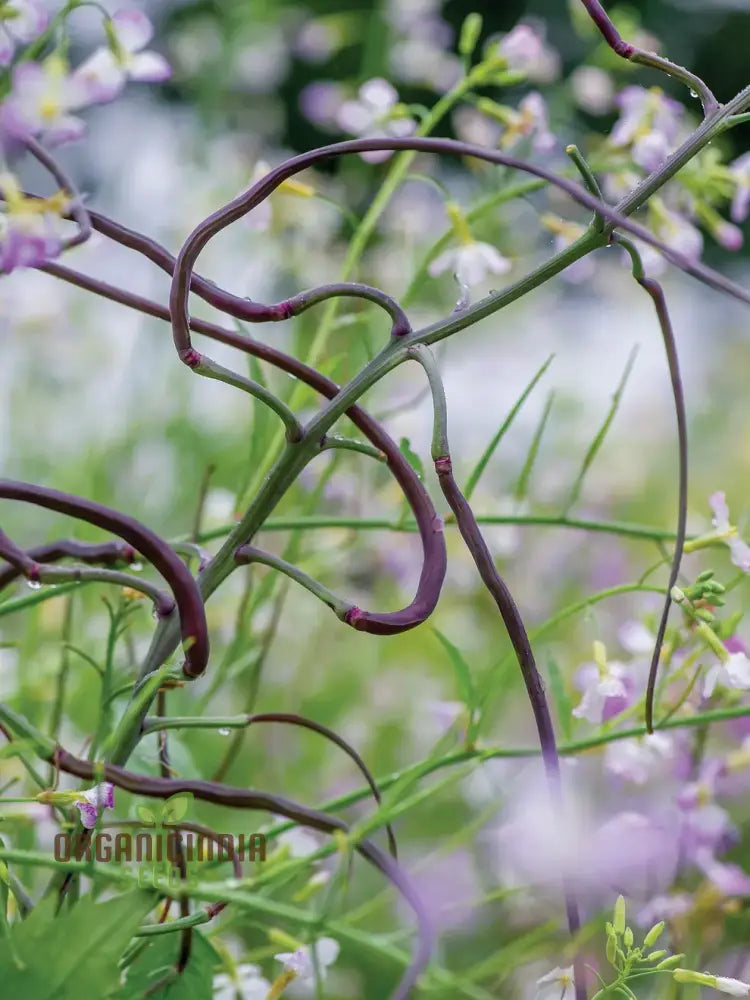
pixel 375 114
pixel 107 69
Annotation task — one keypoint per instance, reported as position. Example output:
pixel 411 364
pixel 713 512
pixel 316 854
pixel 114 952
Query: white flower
pixel 471 263
pixel 740 551
pixel 300 962
pixel 636 638
pixel 105 71
pixel 598 683
pixel 556 985
pixel 593 89
pixel 299 842
pixel 375 115
pixel 40 100
pixel 733 673
pixel 247 982
pixel 734 987
pixel 636 759
pixel 23 21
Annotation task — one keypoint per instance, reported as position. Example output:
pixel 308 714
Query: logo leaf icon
pixel 176 806
pixel 146 815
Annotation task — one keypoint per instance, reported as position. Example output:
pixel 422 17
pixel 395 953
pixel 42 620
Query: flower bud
pixel 653 935
pixel 471 29
pixel 618 919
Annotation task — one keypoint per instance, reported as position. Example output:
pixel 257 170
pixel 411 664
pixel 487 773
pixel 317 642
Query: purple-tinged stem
pixel 434 560
pixel 637 55
pixel 234 210
pixel 153 548
pixel 78 210
pixel 68 548
pixel 242 308
pixel 292 719
pixel 654 289
pixel 511 616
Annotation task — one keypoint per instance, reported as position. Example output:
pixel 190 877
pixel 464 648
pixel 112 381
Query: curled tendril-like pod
pixel 153 548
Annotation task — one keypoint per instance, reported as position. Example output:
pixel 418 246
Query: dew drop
pixel 136 567
pixel 224 731
pixel 693 94
pixel 34 584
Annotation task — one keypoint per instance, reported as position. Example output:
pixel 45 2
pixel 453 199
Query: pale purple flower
pixel 604 689
pixel 531 120
pixel 740 171
pixel 705 826
pixel 374 115
pixel 676 230
pixel 23 21
pixel 740 551
pixel 29 228
pixel 638 759
pixel 300 962
pixel 471 263
pixel 727 235
pixel 106 70
pixel 246 982
pixel 540 843
pixel 91 803
pixel 41 99
pixel 320 101
pixel 664 908
pixel 645 113
pixel 729 878
pixel 524 50
pixel 556 985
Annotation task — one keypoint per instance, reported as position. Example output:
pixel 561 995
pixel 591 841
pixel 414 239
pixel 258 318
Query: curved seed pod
pixel 94 553
pixel 434 557
pixel 153 548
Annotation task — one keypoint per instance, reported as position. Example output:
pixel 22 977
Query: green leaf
pixel 522 486
pixel 602 432
pixel 74 954
pixel 411 457
pixel 157 962
pixel 460 669
pixel 489 451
